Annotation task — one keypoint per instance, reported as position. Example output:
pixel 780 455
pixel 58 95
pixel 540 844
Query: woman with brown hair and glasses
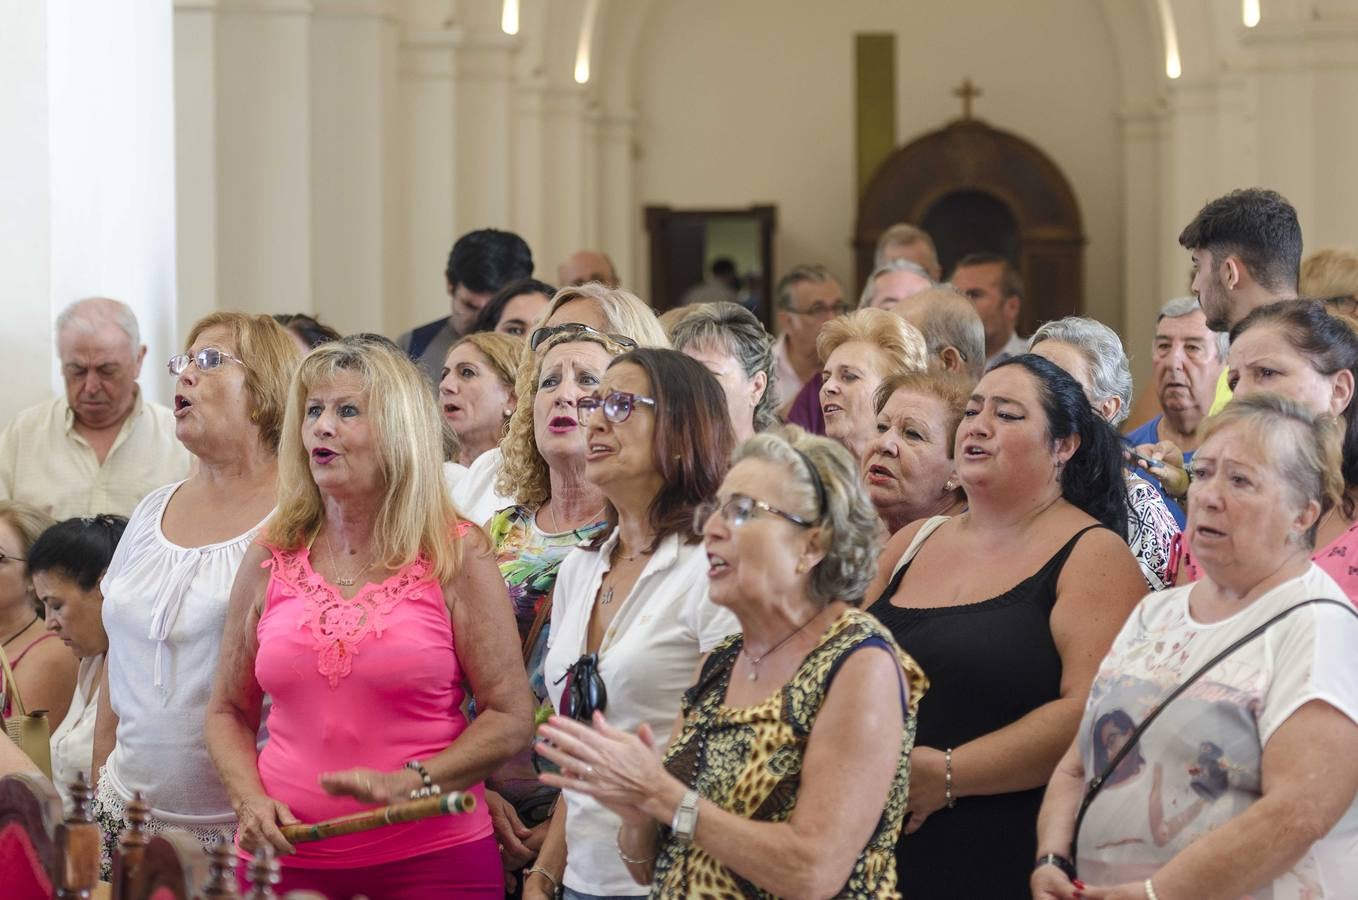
pixel 635 601
pixel 789 768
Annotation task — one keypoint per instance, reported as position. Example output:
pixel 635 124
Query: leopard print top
pixel 748 761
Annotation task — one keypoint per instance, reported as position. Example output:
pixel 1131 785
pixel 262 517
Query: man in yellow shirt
pixel 101 447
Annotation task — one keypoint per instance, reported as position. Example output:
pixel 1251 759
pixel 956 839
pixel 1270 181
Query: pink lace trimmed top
pixel 373 681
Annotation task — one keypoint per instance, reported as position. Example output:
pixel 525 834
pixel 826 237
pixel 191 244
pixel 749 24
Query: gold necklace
pixel 756 660
pixel 607 596
pixel 339 576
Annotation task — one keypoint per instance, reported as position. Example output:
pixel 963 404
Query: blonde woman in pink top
pixel 367 612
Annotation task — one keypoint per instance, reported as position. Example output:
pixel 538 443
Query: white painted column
pixel 563 116
pixel 485 117
pixel 87 172
pixel 1304 77
pixel 1142 238
pixel 196 188
pixel 25 228
pixel 353 144
pixel 618 216
pixel 427 179
pixel 263 146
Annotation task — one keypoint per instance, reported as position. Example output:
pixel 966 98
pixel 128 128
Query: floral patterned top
pixel 529 559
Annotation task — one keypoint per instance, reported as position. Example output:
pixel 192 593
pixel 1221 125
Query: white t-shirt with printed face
pixel 1198 765
pixel 648 658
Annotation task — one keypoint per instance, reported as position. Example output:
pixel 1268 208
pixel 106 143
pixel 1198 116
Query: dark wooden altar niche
pixel 983 189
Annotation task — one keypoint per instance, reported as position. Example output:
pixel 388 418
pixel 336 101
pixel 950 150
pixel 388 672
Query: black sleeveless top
pixel 989 664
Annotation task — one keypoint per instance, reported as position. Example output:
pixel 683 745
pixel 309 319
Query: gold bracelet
pixel 556 885
pixel 631 861
pixel 1150 890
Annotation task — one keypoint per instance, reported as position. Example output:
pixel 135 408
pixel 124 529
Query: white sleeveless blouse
pixel 164 609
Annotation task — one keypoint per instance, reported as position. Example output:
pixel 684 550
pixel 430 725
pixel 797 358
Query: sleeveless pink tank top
pixel 369 682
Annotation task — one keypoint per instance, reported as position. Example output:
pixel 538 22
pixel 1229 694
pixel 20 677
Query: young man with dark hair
pixel 481 262
pixel 1246 251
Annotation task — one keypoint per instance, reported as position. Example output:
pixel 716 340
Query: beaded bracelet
pixel 429 788
pixel 1150 890
pixel 947 779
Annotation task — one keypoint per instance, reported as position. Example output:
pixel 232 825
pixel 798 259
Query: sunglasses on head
pixel 540 335
pixel 206 360
pixel 617 405
pixel 583 693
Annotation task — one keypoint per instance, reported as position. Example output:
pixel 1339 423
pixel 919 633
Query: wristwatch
pixel 686 818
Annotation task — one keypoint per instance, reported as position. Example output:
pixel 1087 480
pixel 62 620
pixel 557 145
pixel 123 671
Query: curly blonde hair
pixel 524 474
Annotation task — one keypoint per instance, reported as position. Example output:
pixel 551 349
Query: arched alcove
pixel 969 168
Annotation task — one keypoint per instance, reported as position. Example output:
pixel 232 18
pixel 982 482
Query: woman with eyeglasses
pixel 631 616
pixel 589 307
pixel 166 589
pixel 756 795
pixel 1008 608
pixel 555 508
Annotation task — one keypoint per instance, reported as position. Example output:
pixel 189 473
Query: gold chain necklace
pixel 339 576
pixel 756 660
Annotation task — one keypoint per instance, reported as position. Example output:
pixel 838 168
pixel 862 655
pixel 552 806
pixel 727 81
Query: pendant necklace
pixel 756 660
pixel 339 576
pixel 607 596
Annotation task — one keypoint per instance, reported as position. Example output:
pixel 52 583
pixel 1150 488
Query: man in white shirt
pixel 101 447
pixel 995 288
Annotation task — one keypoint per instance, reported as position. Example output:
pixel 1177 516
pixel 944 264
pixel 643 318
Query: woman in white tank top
pixel 166 590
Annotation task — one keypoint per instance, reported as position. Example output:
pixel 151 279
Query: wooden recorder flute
pixel 452 803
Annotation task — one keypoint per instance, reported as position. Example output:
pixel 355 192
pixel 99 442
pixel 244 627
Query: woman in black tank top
pixel 1008 609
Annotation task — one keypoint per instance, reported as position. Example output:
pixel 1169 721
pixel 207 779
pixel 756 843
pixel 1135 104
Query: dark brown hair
pixel 693 439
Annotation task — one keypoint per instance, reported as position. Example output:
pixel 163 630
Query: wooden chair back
pixel 30 811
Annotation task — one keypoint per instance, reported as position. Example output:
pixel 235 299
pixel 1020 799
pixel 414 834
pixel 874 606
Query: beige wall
pixel 742 103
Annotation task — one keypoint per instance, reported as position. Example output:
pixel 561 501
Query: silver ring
pixel 589 771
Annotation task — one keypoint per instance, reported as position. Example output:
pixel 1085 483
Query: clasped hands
pixel 259 817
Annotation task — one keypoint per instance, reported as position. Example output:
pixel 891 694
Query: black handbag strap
pixel 1096 784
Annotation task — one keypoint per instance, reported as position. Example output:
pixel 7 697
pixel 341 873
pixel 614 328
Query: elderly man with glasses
pixel 808 296
pixel 101 447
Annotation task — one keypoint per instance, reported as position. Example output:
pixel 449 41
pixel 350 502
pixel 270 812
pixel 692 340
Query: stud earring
pixel 949 486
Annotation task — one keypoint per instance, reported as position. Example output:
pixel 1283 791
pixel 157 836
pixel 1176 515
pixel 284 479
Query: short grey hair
pixel 1102 348
pixel 734 330
pixel 947 318
pixel 1185 306
pixel 851 531
pixel 812 272
pixel 895 265
pixel 93 312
